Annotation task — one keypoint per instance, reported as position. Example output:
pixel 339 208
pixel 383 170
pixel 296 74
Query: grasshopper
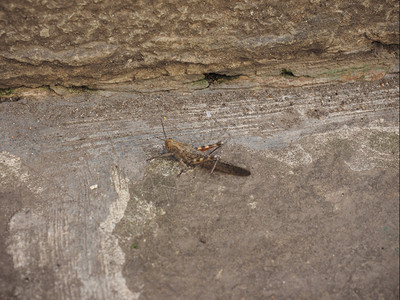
pixel 187 154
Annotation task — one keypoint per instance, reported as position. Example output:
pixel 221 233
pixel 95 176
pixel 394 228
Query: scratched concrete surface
pixel 85 216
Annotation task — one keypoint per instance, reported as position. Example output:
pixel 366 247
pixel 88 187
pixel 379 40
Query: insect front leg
pixel 182 163
pixel 160 156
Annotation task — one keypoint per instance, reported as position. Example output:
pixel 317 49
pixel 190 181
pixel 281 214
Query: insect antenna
pixel 162 124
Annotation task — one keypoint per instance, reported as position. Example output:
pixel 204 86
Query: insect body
pixel 187 154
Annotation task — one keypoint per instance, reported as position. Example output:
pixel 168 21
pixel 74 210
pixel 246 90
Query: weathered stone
pixel 86 215
pixel 100 43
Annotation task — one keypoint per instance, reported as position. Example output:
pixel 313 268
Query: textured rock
pixel 170 44
pixel 85 216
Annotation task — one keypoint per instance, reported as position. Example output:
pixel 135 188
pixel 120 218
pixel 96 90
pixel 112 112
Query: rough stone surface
pixel 166 45
pixel 85 216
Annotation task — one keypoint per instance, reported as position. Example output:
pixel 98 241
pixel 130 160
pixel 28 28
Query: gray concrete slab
pixel 85 216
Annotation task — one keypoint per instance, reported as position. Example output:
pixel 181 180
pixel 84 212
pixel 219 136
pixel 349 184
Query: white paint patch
pixel 336 198
pixel 253 205
pixel 26 230
pixel 295 156
pixel 362 161
pixel 219 274
pixel 11 170
pixel 35 242
pixel 112 256
pixel 118 207
pixel 364 156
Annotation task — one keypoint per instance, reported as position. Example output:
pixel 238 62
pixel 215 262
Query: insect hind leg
pixel 208 147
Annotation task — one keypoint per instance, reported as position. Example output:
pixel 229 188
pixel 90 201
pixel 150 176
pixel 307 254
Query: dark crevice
pixel 287 73
pixel 215 78
pixel 72 89
pixel 7 95
pixel 80 89
pixel 391 48
pixel 10 99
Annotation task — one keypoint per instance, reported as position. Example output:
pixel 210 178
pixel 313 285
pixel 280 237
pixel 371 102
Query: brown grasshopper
pixel 187 154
